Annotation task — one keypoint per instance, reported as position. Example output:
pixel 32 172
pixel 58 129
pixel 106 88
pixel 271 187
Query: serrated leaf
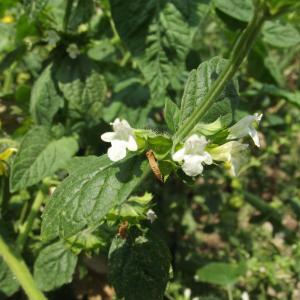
pixel 280 35
pixel 139 267
pixel 62 15
pixel 158 35
pixel 11 57
pixel 83 87
pixel 223 274
pixel 40 156
pixel 130 102
pixel 8 282
pixel 45 100
pixel 133 209
pixel 89 193
pixel 198 85
pixel 241 10
pixel 80 13
pixel 54 266
pixel 85 240
pixel 172 115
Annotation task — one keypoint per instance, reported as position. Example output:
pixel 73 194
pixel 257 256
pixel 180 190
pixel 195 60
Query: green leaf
pixel 80 12
pixel 45 100
pixel 160 145
pixel 172 115
pixel 54 266
pixel 159 36
pixel 197 86
pixel 85 240
pixel 40 156
pixel 52 13
pixel 12 56
pixel 223 274
pixel 241 10
pixel 139 267
pixel 83 87
pixel 130 101
pixel 8 283
pixel 291 97
pixel 134 208
pixel 280 35
pixel 88 194
pixel 276 6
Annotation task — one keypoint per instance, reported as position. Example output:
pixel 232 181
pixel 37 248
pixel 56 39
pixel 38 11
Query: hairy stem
pixel 26 227
pixel 237 56
pixel 18 267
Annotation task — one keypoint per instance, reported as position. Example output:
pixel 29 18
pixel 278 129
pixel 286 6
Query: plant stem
pixel 237 56
pixel 18 267
pixel 26 227
pixel 229 292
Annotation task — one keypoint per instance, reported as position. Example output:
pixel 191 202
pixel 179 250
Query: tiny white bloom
pixel 245 296
pixel 121 138
pixel 230 153
pixel 245 127
pixel 193 155
pixel 73 51
pixel 151 215
pixel 187 293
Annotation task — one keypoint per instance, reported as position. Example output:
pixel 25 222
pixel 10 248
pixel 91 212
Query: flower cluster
pixel 196 151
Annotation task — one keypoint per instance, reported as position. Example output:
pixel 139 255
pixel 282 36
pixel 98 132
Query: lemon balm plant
pixel 88 58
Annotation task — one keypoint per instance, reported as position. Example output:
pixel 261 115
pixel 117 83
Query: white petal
pixel 258 117
pixel 131 144
pixel 115 122
pixel 117 151
pixel 207 158
pixel 254 136
pixel 241 128
pixel 108 136
pixel 195 144
pixel 125 124
pixel 192 165
pixel 178 155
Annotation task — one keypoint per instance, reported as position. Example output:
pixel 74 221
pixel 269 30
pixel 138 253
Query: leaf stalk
pixel 18 267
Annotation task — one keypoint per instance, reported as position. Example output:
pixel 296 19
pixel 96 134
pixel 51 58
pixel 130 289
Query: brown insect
pixel 154 165
pixel 123 230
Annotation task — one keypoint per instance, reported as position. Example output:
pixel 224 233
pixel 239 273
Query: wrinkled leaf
pixel 8 282
pixel 198 85
pixel 280 35
pixel 139 267
pixel 89 193
pixel 40 156
pixel 158 34
pixel 83 87
pixel 172 115
pixel 45 100
pixel 241 10
pixel 54 266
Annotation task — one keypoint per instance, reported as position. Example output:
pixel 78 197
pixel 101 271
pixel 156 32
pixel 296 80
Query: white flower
pixel 151 215
pixel 245 296
pixel 193 155
pixel 121 138
pixel 230 153
pixel 245 127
